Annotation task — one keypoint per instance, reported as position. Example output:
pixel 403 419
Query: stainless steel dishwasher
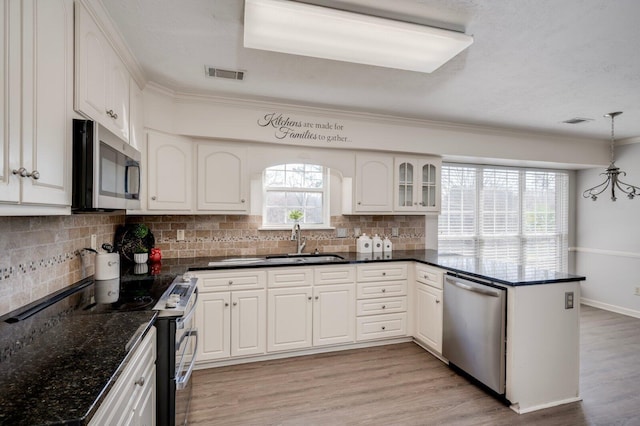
pixel 474 336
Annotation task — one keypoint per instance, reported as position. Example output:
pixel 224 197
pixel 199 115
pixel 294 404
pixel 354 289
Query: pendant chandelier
pixel 612 174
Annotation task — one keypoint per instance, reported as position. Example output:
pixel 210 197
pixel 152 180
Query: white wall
pixel 608 239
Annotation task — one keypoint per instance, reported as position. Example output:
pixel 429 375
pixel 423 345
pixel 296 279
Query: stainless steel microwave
pixel 106 170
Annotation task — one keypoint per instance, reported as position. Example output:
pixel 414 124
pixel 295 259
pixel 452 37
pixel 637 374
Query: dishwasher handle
pixel 484 292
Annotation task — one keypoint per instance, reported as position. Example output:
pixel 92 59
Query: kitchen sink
pixel 283 259
pixel 304 258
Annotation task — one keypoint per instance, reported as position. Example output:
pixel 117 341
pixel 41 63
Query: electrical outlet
pixel 356 232
pixel 395 232
pixel 94 241
pixel 568 300
pixel 180 235
pixel 341 232
pixel 637 293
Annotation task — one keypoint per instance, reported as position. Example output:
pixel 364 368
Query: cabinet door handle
pixel 437 301
pixel 34 174
pixel 112 114
pixel 384 290
pixel 384 306
pixel 383 327
pixel 140 381
pixel 309 297
pixel 242 201
pixel 384 274
pixel 22 172
pixel 359 203
pixel 235 303
pixel 226 305
pixel 230 282
pixel 154 198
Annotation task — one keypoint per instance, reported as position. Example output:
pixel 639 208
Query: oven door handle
pixel 180 322
pixel 182 380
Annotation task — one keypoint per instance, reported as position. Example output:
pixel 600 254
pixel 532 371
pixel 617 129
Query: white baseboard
pixel 517 409
pixel 611 308
pixel 201 365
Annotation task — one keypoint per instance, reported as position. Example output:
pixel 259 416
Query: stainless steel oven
pixel 177 346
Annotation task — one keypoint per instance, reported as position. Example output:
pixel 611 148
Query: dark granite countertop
pixel 510 274
pixel 57 366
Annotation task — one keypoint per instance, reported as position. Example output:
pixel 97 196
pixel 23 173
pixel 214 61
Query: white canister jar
pixel 377 243
pixel 387 245
pixel 364 244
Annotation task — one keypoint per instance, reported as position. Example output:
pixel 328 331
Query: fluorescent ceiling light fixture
pixel 320 32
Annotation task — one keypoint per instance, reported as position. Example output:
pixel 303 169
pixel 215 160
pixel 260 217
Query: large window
pixel 517 215
pixel 288 187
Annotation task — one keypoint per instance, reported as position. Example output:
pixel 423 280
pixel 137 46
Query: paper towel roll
pixel 107 266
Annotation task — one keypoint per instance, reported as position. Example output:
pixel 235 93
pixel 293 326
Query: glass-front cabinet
pixel 417 184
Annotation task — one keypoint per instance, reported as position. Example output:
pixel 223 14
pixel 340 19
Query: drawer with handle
pixel 381 326
pixel 382 271
pixel 381 289
pixel 238 280
pixel 430 276
pixel 387 305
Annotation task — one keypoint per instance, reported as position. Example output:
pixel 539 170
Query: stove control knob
pixel 174 298
pixel 170 304
pixel 186 277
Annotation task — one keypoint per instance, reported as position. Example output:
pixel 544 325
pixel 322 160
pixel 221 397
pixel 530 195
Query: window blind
pixel 509 214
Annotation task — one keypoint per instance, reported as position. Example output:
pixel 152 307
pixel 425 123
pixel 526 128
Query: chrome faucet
pixel 295 236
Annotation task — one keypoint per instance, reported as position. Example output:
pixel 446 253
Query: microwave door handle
pixel 131 167
pixel 180 322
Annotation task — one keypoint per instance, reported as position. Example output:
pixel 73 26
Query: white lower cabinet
pixel 333 314
pixel 310 307
pixel 428 306
pixel 132 400
pixel 381 301
pixel 289 319
pixel 231 324
pixel 231 314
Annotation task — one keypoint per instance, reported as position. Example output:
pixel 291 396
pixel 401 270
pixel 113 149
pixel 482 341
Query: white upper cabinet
pixel 37 86
pixel 169 172
pixel 374 184
pixel 417 184
pixel 136 116
pixel 102 81
pixel 222 179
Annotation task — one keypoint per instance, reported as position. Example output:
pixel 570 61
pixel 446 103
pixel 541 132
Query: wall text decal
pixel 299 130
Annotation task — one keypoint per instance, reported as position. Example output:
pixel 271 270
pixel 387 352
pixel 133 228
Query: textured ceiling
pixel 533 64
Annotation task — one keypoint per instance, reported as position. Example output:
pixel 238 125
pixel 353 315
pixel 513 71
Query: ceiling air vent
pixel 577 120
pixel 221 73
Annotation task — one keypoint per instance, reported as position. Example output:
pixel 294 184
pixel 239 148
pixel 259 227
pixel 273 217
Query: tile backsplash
pixel 220 235
pixel 43 254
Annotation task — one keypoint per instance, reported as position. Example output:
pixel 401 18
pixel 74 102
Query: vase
pixel 140 257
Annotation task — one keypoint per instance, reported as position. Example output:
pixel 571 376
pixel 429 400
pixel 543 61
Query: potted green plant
pixel 140 254
pixel 296 215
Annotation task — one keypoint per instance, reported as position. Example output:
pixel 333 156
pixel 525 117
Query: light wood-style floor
pixel 404 385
